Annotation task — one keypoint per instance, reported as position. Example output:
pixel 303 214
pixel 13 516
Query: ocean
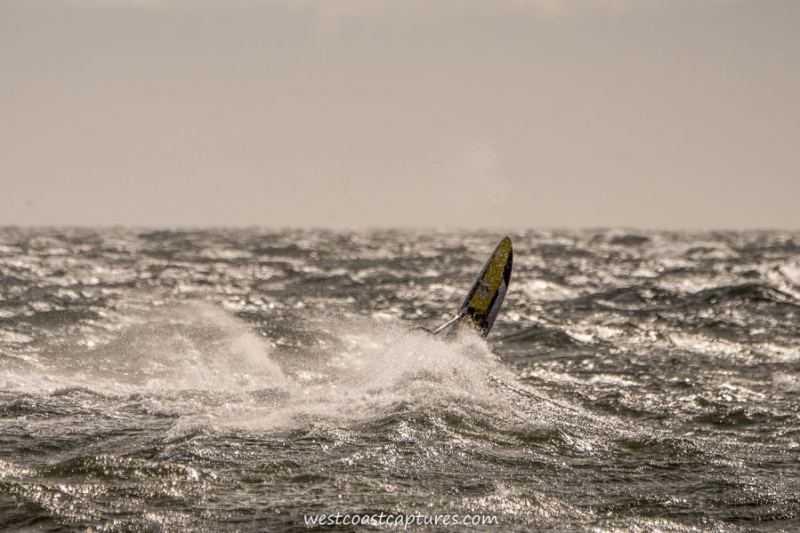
pixel 254 380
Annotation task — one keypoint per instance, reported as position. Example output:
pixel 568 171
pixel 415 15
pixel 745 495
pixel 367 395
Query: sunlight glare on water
pixel 198 379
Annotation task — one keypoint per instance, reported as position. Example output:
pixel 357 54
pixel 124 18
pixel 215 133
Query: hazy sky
pixel 500 113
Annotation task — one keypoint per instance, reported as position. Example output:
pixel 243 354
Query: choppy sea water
pixel 241 379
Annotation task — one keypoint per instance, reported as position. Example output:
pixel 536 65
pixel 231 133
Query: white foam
pixel 199 362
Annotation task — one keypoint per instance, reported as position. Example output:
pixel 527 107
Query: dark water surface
pixel 239 380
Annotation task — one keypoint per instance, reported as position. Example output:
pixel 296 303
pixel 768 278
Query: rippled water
pixel 237 380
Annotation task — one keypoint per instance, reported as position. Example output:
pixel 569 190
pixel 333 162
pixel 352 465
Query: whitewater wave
pixel 198 361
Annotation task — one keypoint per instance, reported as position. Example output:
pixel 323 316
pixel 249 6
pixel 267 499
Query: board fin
pixel 485 297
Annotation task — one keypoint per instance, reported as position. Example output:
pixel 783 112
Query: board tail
pixel 485 297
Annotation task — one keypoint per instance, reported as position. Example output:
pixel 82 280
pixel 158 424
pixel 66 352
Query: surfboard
pixel 484 299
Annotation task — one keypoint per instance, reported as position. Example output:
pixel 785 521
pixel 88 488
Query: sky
pixel 675 114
